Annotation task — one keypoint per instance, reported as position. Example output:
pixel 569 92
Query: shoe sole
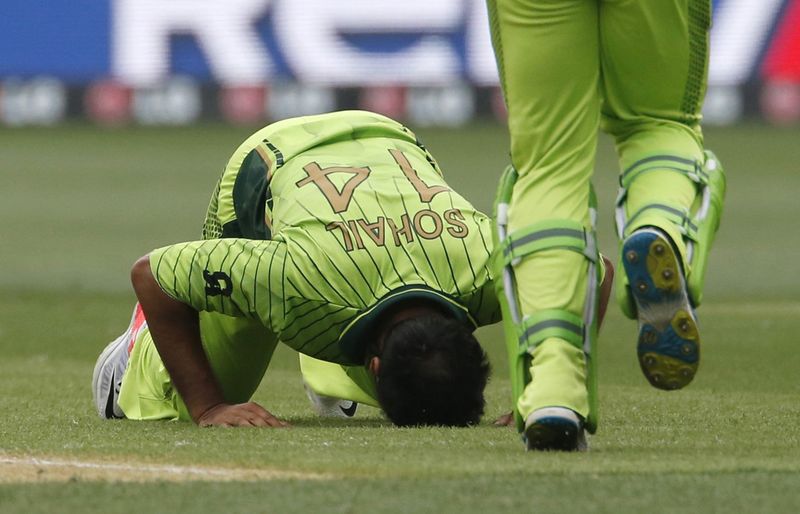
pixel 554 433
pixel 669 341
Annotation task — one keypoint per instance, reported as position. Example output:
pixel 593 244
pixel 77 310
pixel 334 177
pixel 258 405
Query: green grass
pixel 80 204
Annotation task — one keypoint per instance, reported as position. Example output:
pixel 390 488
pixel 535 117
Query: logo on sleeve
pixel 217 283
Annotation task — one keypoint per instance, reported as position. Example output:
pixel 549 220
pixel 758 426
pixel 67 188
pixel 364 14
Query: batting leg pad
pixel 696 227
pixel 524 333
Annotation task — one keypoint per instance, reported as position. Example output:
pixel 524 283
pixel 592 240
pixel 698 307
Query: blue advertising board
pixel 155 52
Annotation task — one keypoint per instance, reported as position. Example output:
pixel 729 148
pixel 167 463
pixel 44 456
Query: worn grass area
pixel 79 205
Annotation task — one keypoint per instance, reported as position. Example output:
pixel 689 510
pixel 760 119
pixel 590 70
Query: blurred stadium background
pixel 152 62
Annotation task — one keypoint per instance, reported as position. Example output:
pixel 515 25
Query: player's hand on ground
pixel 505 420
pixel 248 414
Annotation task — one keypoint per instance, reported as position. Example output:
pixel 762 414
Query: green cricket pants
pixel 239 351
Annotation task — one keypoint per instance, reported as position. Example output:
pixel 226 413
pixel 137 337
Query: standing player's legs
pixel 238 349
pixel 654 58
pixel 548 59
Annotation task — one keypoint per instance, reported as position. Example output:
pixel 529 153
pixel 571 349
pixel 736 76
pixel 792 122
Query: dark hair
pixel 432 372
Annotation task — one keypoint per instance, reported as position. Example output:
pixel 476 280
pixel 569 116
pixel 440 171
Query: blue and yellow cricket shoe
pixel 669 342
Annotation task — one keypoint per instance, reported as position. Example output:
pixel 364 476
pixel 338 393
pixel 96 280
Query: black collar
pixel 355 336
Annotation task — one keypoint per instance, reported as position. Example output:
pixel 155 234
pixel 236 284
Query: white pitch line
pixel 194 472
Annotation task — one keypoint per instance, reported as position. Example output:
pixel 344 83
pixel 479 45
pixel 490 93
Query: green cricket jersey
pixel 320 223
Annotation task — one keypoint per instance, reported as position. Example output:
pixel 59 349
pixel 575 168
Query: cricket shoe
pixel 111 365
pixel 669 343
pixel 554 429
pixel 330 407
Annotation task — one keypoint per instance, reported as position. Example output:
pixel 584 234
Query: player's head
pixel 432 371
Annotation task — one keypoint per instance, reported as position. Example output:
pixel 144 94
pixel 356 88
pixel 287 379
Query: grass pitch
pixel 81 204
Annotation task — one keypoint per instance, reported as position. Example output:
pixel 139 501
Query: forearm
pixel 175 329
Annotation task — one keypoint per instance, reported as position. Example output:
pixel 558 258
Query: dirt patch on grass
pixel 16 470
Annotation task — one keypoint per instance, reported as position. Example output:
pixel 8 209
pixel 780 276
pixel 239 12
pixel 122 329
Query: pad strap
pixel 691 168
pixel 548 235
pixel 549 323
pixel 679 217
